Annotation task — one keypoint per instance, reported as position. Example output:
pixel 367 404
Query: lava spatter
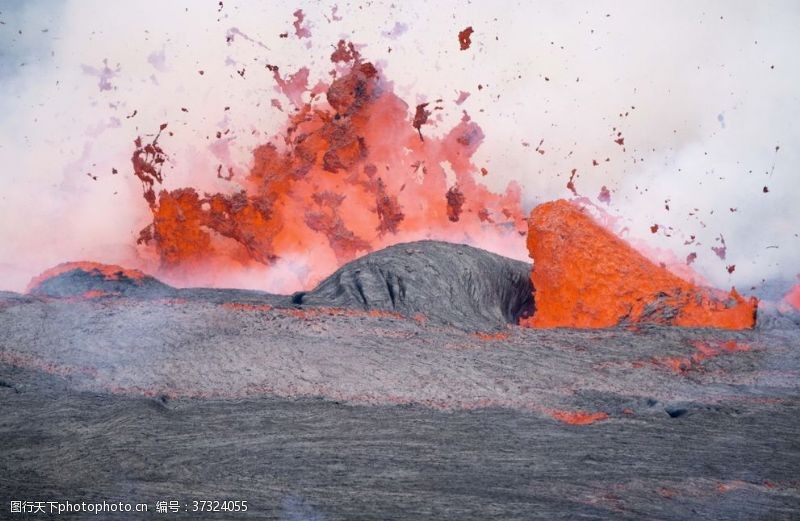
pixel 585 276
pixel 300 30
pixel 705 350
pixel 577 417
pixel 420 118
pixel 343 179
pixel 465 38
pixel 455 201
pixel 147 160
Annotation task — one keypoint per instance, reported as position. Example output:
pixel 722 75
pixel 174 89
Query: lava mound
pixel 92 279
pixel 448 283
pixel 585 276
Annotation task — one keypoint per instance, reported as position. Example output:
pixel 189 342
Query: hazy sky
pixel 710 90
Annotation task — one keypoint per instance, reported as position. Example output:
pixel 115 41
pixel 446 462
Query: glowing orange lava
pixel 499 335
pixel 578 417
pixel 585 276
pixel 351 173
pixel 705 351
pixel 95 293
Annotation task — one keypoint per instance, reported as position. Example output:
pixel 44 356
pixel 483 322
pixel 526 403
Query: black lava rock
pixel 82 278
pixel 448 283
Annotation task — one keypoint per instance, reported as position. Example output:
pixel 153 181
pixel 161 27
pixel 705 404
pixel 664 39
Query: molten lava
pixel 704 351
pixel 585 276
pixel 351 174
pixel 577 417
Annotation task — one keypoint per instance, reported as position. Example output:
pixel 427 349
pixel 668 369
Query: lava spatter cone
pixel 585 276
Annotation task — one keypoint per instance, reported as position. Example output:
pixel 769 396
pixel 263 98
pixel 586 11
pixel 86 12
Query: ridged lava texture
pixel 447 283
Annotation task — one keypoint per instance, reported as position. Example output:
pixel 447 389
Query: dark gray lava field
pixel 400 388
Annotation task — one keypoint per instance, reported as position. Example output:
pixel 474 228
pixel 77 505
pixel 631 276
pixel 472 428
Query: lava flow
pixel 585 276
pixel 353 173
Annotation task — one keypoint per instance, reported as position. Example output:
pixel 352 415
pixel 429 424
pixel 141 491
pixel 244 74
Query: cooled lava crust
pixel 92 279
pixel 449 283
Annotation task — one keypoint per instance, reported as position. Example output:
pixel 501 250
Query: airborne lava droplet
pixel 464 39
pixel 721 250
pixel 299 30
pixel 420 118
pixel 455 201
pixel 571 182
pixel 147 161
pixel 388 209
pixel 578 417
pixel 604 196
pixel 345 52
